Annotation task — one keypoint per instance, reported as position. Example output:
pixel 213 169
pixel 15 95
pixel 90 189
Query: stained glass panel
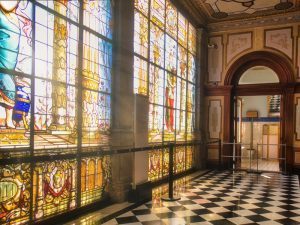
pixel 157 49
pixel 16 42
pixel 97 56
pixel 141 34
pixel 15 193
pixel 55 68
pixel 97 16
pixel 95 175
pixel 156 88
pixel 170 98
pixel 155 123
pixel 182 62
pixel 54 188
pixel 171 54
pixel 142 5
pixel 192 39
pixel 191 68
pixel 182 30
pixel 171 73
pixel 179 163
pixel 140 76
pixel 171 19
pixel 157 12
pixel 155 165
pixel 189 157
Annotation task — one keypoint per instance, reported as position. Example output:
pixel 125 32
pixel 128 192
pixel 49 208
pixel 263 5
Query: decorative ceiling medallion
pixel 283 5
pixel 219 15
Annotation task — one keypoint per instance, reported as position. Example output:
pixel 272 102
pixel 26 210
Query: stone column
pixel 59 89
pixel 122 99
pixel 201 72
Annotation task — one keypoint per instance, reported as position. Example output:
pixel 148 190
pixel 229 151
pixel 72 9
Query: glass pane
pixel 171 19
pixel 54 188
pixel 157 49
pixel 155 123
pixel 95 175
pixel 157 12
pixel 170 97
pixel 56 74
pixel 142 5
pixel 182 30
pixel 15 112
pixel 156 88
pixel 97 16
pixel 171 54
pixel 192 39
pixel 140 76
pixel 141 41
pixel 15 193
pixel 16 42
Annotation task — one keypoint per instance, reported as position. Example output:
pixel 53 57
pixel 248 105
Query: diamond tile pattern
pixel 225 198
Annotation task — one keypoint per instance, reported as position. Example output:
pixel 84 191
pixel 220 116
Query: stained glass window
pixel 43 90
pixel 55 80
pixel 164 70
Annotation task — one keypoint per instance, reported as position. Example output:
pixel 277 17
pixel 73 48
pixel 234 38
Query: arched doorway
pixel 285 87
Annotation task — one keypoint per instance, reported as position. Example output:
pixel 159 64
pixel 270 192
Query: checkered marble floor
pixel 225 198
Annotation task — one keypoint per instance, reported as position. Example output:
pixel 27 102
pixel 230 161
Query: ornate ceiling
pixel 207 12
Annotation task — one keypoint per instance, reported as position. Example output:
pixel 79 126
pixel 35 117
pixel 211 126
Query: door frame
pixel 286 87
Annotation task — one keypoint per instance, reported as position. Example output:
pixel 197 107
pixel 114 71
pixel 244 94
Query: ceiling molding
pixel 278 19
pixel 229 12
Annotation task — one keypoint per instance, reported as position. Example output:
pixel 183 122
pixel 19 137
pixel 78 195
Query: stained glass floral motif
pixel 169 79
pixel 15 193
pixel 54 188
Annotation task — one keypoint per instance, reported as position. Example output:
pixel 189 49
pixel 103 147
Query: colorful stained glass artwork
pixel 182 62
pixel 95 176
pixel 140 76
pixel 191 68
pixel 155 126
pixel 55 68
pixel 171 19
pixel 182 30
pixel 97 15
pixel 141 34
pixel 96 82
pixel 171 71
pixel 156 85
pixel 155 165
pixel 189 157
pixel 171 52
pixel 157 49
pixel 54 188
pixel 15 193
pixel 16 42
pixel 157 12
pixel 15 118
pixel 192 39
pixel 169 116
pixel 142 6
pixel 179 164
